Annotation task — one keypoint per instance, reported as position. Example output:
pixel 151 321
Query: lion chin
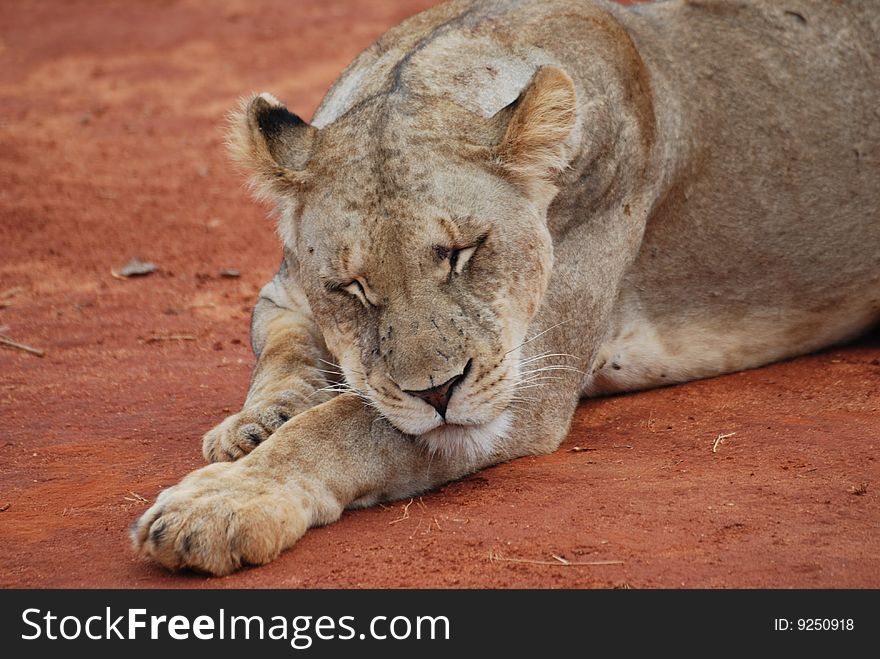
pixel 468 442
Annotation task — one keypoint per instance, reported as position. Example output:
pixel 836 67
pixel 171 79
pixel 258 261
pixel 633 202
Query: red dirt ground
pixel 111 119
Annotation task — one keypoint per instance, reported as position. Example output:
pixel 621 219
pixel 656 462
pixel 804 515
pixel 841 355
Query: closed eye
pixel 356 288
pixel 458 258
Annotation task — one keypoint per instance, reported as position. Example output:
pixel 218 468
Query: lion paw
pixel 241 433
pixel 218 519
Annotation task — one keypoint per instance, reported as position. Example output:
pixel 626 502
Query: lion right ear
pixel 534 147
pixel 272 144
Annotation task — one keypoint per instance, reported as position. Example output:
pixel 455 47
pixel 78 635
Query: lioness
pixel 501 207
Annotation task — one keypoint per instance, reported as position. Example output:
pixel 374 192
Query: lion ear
pixel 534 149
pixel 272 144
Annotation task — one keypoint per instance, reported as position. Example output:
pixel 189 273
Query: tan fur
pixel 554 198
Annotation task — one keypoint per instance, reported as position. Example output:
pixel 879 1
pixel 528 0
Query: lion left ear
pixel 272 144
pixel 533 149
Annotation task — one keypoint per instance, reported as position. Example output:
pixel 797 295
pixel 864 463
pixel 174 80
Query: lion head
pixel 418 233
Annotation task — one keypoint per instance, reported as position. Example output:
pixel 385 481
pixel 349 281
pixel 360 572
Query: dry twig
pixel 136 498
pixel 720 440
pixel 9 343
pixel 494 556
pixel 404 516
pixel 170 337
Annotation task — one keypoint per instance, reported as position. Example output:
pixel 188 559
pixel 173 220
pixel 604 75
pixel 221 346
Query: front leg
pixel 337 454
pixel 287 379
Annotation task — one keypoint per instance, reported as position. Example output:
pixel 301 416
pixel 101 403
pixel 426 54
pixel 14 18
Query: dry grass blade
pixel 720 440
pixel 170 337
pixel 413 534
pixel 405 514
pixel 581 449
pixel 136 498
pixel 15 345
pixel 558 562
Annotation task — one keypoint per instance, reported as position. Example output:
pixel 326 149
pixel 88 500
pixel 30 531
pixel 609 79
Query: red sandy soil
pixel 111 119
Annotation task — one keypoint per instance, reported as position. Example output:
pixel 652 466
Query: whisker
pixel 336 367
pixel 537 336
pixel 324 370
pixel 537 378
pixel 336 388
pixel 546 355
pixel 557 367
pixel 531 386
pixel 321 391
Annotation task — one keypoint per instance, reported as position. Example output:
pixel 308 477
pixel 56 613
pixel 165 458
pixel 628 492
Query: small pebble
pixel 137 268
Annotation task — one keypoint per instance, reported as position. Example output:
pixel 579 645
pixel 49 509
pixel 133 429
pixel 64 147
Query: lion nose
pixel 438 397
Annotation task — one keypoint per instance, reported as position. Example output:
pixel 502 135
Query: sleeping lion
pixel 502 207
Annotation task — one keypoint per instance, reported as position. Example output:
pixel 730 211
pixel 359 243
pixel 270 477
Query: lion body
pixel 760 201
pixel 646 195
pixel 765 242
